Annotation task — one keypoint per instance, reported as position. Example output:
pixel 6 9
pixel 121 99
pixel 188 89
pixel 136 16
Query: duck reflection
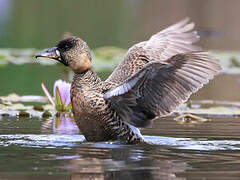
pixel 61 124
pixel 124 162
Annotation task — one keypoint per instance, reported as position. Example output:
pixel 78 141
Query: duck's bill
pixel 51 53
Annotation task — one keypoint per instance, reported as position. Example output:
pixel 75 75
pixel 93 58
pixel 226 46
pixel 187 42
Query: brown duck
pixel 152 80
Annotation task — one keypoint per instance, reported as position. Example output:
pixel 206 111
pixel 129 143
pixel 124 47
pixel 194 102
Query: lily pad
pixel 14 107
pixel 9 105
pixel 211 110
pixel 16 98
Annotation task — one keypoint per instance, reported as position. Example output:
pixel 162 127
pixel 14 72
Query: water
pixel 40 149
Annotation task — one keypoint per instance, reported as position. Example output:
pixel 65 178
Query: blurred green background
pixel 41 24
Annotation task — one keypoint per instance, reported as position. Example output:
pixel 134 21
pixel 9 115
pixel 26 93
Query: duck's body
pixel 93 115
pixel 153 79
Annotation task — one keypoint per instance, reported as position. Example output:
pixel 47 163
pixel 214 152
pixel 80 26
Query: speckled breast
pixel 91 114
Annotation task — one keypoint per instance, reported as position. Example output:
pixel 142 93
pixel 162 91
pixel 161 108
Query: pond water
pixel 32 148
pixel 53 148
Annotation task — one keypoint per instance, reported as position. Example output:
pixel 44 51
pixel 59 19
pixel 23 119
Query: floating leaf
pixel 16 98
pixel 4 102
pixel 216 110
pixel 49 107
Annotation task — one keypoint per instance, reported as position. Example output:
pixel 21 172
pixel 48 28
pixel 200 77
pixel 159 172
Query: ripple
pixel 47 141
pixel 54 141
pixel 194 144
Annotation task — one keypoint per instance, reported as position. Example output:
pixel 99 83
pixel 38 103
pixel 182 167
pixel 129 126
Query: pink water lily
pixel 61 92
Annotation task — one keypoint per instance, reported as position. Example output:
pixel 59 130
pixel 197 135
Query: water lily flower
pixel 61 92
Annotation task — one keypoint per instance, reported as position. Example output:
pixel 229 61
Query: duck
pixel 154 78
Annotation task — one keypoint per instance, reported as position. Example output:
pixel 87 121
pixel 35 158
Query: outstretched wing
pixel 159 88
pixel 173 40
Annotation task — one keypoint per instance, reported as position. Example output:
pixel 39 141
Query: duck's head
pixel 72 52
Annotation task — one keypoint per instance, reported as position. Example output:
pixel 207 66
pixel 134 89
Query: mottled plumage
pixel 173 40
pixel 153 79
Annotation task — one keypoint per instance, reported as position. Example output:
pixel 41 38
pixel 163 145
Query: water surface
pixel 41 149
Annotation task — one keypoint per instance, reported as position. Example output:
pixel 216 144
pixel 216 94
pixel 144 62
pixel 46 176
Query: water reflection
pixel 172 156
pixel 152 162
pixel 124 163
pixel 64 124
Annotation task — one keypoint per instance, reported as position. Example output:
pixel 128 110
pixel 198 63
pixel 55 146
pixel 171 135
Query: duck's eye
pixel 66 46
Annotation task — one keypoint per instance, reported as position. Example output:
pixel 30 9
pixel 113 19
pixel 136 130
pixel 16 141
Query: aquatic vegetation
pixel 108 58
pixel 61 92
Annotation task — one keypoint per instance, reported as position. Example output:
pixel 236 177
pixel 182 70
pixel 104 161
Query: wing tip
pixel 184 20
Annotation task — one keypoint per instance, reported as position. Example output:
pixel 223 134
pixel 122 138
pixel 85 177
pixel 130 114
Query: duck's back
pixel 173 40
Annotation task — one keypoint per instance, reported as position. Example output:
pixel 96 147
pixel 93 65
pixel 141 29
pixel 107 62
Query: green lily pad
pixel 16 98
pixel 213 109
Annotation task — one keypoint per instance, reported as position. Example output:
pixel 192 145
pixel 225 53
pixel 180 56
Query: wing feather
pixel 175 39
pixel 159 88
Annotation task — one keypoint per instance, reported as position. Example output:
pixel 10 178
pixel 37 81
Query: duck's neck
pixel 85 80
